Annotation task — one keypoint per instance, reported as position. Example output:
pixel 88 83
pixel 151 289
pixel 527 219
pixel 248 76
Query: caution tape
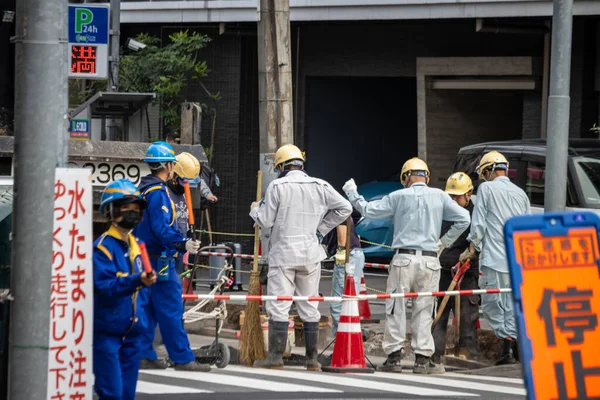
pixel 226 233
pixel 337 299
pixel 376 244
pixel 186 273
pixel 250 257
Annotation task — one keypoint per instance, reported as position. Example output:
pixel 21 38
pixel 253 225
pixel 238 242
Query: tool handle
pixel 348 239
pixel 146 259
pixel 256 228
pixel 188 202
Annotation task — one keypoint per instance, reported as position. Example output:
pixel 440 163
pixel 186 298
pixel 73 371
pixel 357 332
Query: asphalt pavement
pixel 241 382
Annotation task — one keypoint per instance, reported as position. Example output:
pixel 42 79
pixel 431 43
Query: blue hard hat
pixel 159 152
pixel 122 190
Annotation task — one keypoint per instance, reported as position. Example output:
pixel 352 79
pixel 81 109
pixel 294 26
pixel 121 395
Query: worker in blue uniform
pixel 119 279
pixel 165 243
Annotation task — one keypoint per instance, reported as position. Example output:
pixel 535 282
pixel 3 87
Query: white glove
pixel 349 187
pixel 254 205
pixel 192 246
pixel 441 247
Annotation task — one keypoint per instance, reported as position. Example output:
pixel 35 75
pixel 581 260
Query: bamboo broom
pixel 252 344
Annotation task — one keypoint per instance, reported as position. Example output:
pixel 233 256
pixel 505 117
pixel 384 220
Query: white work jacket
pixel 295 207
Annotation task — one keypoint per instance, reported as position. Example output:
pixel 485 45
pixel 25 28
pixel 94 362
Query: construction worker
pixel 119 318
pixel 187 167
pixel 336 244
pixel 417 212
pixel 498 199
pixel 296 208
pixel 164 242
pixel 460 189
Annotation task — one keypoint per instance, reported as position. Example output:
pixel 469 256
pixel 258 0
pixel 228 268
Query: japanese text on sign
pixel 83 59
pixel 561 308
pixel 71 294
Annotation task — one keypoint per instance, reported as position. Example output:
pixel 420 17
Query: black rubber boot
pixel 311 340
pixel 507 353
pixel 515 350
pixel 278 332
pixel 393 363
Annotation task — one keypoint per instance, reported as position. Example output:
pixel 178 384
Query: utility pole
pixel 40 131
pixel 558 107
pixel 113 63
pixel 274 83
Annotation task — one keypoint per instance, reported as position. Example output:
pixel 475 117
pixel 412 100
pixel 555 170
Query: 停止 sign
pixel 555 276
pixel 70 363
pixel 88 41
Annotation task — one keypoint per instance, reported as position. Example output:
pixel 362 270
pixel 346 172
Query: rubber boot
pixel 311 340
pixel 278 332
pixel 515 350
pixel 507 353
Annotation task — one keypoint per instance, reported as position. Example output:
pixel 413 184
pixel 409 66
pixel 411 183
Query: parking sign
pixel 88 41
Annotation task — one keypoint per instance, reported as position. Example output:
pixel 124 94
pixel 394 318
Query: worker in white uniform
pixel 295 209
pixel 417 212
pixel 498 199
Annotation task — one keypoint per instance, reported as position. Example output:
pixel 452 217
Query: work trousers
pixel 411 273
pixel 165 308
pixel 116 366
pixel 469 313
pixel 289 281
pixel 498 308
pixel 357 258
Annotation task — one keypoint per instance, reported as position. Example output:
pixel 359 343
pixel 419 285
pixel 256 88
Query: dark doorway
pixel 361 128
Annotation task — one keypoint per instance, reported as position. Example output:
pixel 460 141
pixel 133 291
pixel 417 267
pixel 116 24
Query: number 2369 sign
pixel 105 172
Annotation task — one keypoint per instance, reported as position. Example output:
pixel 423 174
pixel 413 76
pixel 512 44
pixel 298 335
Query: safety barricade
pixel 337 299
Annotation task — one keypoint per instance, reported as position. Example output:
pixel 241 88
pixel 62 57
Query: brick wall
pixel 457 118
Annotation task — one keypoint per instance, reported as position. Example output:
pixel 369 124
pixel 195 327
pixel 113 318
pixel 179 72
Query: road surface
pixel 240 382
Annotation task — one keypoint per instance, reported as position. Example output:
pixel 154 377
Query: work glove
pixel 467 255
pixel 441 247
pixel 192 246
pixel 340 256
pixel 254 205
pixel 349 187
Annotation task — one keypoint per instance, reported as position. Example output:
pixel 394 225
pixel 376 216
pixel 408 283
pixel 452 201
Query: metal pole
pixel 115 33
pixel 40 122
pixel 558 107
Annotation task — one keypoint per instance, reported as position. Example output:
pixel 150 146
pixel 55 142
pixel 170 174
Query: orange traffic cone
pixel 363 305
pixel 187 281
pixel 348 352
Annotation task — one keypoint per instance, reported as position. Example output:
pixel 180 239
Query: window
pixel 534 186
pixel 588 174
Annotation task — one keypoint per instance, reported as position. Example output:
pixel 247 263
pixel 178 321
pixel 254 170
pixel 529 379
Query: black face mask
pixel 130 219
pixel 175 186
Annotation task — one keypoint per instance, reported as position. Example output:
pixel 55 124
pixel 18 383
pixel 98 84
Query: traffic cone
pixel 348 352
pixel 187 285
pixel 363 305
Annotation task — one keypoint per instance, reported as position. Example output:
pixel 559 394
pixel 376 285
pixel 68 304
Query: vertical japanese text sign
pixel 88 41
pixel 70 374
pixel 555 276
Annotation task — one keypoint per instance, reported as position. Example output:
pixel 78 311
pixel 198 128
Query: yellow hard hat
pixel 187 166
pixel 287 153
pixel 458 184
pixel 490 159
pixel 414 164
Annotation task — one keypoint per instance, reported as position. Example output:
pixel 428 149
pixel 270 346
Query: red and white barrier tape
pixel 250 257
pixel 337 299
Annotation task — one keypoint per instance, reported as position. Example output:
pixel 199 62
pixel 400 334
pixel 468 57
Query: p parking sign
pixel 88 41
pixel 554 263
